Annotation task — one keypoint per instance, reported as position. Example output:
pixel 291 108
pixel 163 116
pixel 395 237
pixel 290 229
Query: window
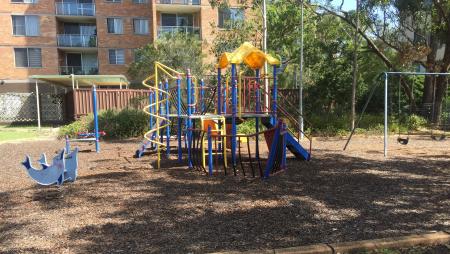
pixel 115 25
pixel 168 19
pixel 227 17
pixel 113 1
pixel 28 57
pixel 26 25
pixel 140 1
pixel 117 56
pixel 24 1
pixel 140 26
pixel 177 19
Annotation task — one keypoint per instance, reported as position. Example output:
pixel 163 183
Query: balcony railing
pixel 75 9
pixel 77 40
pixel 180 2
pixel 162 30
pixel 79 70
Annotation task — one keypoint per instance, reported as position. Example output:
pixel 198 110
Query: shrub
pixel 80 125
pixel 416 122
pixel 117 124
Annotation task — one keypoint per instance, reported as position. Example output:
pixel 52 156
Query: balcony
pixel 77 40
pixel 180 2
pixel 78 70
pixel 178 5
pixel 75 9
pixel 171 30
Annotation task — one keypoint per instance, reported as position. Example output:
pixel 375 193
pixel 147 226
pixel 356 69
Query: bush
pixel 416 122
pixel 117 124
pixel 81 125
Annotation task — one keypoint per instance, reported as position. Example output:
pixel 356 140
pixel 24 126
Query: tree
pixel 177 51
pixel 236 32
pixel 415 30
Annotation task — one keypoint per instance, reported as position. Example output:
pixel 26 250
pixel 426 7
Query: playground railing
pixel 293 125
pixel 252 96
pixel 250 153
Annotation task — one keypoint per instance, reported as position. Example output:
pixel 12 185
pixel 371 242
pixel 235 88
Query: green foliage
pixel 81 125
pixel 117 124
pixel 417 122
pixel 247 127
pixel 178 51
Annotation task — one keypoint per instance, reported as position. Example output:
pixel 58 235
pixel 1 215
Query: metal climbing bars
pixel 161 96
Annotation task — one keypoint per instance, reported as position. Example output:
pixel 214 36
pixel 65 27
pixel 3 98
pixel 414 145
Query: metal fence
pixel 75 9
pixel 21 107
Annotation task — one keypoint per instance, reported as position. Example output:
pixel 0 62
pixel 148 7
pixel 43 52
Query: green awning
pixel 83 80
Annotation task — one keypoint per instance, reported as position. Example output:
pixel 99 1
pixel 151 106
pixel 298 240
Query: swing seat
pixel 403 141
pixel 438 138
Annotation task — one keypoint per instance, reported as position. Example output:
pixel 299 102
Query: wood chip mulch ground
pixel 122 205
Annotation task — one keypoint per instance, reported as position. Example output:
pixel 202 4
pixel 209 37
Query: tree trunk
pixel 440 95
pixel 355 68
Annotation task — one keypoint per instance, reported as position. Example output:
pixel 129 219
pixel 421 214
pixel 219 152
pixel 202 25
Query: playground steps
pixel 291 142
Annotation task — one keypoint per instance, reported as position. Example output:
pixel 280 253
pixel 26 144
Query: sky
pixel 348 4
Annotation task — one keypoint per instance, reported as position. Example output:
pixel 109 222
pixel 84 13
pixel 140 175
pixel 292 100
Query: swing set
pixel 438 128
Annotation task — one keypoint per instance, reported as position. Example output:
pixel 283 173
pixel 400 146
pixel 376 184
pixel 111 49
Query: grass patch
pixel 12 133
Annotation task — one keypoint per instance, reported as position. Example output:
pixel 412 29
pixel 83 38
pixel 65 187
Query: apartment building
pixel 88 37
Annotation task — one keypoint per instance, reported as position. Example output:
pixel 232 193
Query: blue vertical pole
pixel 67 144
pixel 284 133
pixel 258 109
pixel 202 96
pixel 274 96
pixel 234 111
pixel 152 110
pixel 219 106
pixel 210 153
pixel 189 120
pixel 180 155
pixel 150 119
pixel 94 105
pixel 257 92
pixel 219 91
pixel 167 117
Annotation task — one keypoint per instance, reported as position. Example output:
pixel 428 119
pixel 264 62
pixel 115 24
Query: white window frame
pixel 115 18
pixel 113 1
pixel 224 22
pixel 25 27
pixel 115 54
pixel 148 26
pixel 25 2
pixel 28 59
pixel 140 1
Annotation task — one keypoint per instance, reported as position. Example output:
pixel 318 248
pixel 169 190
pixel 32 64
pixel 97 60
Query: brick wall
pixel 128 41
pixel 51 26
pixel 46 41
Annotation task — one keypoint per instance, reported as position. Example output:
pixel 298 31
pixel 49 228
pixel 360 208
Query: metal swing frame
pixel 386 86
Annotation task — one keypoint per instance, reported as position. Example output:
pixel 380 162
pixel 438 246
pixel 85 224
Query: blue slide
pixel 296 148
pixel 291 143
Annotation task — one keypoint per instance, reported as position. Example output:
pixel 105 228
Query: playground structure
pixel 208 111
pixel 89 136
pixel 438 127
pixel 62 169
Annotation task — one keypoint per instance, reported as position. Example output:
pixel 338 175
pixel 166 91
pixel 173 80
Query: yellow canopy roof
pixel 248 54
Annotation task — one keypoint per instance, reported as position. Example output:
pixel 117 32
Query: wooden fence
pixel 79 101
pixel 107 99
